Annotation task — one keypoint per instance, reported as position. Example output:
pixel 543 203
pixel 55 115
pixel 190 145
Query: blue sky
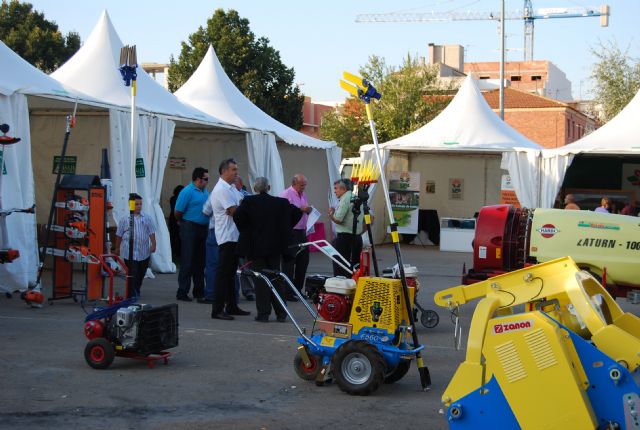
pixel 321 39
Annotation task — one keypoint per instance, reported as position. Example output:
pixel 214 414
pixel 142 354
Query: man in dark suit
pixel 266 227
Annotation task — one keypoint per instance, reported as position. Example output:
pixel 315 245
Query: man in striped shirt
pixel 144 243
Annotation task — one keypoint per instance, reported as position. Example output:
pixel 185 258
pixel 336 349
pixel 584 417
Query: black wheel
pixel 358 367
pixel 304 372
pixel 99 353
pixel 398 372
pixel 429 318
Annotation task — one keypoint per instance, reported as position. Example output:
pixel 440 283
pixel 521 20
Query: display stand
pixel 456 234
pixel 79 237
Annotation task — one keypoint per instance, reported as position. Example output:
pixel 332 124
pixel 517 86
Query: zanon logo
pixel 515 326
pixel 548 230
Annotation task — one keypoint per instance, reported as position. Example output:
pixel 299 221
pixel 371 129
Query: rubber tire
pixel 429 318
pixel 99 353
pixel 398 372
pixel 305 373
pixel 368 354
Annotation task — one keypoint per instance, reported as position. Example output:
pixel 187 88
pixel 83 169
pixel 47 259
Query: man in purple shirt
pixel 294 263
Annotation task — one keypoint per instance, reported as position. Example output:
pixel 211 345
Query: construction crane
pixel 527 14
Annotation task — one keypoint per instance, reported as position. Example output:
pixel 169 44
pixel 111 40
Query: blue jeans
pixel 211 264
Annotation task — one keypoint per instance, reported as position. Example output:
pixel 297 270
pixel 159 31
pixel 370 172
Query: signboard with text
pixel 404 193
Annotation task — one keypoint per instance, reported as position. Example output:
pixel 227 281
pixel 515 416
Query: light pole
pixel 502 60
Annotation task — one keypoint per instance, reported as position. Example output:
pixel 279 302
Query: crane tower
pixel 527 14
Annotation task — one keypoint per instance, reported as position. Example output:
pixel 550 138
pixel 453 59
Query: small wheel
pixel 398 372
pixel 304 372
pixel 99 353
pixel 429 318
pixel 358 367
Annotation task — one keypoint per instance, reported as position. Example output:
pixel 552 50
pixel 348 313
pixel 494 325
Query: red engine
pixel 334 307
pixel 501 242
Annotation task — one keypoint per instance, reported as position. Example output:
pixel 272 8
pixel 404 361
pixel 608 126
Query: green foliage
pixel 617 78
pixel 37 40
pixel 252 65
pixel 411 97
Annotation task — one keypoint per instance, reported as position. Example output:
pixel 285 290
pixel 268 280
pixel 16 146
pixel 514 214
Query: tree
pixel 617 78
pixel 252 65
pixel 411 97
pixel 34 38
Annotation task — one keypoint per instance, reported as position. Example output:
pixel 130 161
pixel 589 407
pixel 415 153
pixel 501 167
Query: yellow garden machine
pixel 548 348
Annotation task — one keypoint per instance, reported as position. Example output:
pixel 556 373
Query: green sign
pixel 4 168
pixel 139 168
pixel 69 166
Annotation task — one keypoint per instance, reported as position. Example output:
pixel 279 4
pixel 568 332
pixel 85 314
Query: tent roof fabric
pixel 210 90
pixel 467 124
pixel 20 76
pixel 619 136
pixel 94 69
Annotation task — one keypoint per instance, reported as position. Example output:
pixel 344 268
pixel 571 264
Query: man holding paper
pixel 295 263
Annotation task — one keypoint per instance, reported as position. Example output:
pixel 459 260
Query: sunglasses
pixel 205 179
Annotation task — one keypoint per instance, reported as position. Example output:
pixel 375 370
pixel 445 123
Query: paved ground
pixel 223 375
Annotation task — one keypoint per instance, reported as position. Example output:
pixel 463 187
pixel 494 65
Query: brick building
pixel 549 123
pixel 312 116
pixel 539 77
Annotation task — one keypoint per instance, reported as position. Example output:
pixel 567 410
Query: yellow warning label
pixel 328 341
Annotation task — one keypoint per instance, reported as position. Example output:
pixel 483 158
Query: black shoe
pixel 205 301
pixel 184 298
pixel 292 299
pixel 282 319
pixel 238 311
pixel 222 316
pixel 262 319
pixel 250 298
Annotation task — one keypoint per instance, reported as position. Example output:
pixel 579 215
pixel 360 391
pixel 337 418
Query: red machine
pixel 501 242
pixel 509 238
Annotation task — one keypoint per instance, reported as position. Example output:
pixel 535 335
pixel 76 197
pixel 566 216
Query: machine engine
pixel 334 298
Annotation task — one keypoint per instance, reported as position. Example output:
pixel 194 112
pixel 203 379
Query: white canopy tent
pixel 94 70
pixel 619 136
pixel 211 90
pixel 466 140
pixel 22 87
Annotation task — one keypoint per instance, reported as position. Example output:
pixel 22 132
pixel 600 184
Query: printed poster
pixel 507 192
pixel 456 189
pixel 631 178
pixel 404 193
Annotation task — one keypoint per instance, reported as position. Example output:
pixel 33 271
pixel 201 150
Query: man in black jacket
pixel 265 224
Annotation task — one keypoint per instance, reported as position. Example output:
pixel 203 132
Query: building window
pixel 536 78
pixel 516 78
pixel 568 129
pixel 484 77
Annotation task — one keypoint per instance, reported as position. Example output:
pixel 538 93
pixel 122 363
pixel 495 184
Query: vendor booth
pixel 163 122
pixel 611 154
pixel 461 156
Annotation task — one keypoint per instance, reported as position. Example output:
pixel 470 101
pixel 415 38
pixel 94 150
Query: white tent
pixel 94 70
pixel 619 136
pixel 467 140
pixel 22 86
pixel 211 90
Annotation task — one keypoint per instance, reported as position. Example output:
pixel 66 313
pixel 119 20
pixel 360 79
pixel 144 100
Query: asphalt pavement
pixel 223 375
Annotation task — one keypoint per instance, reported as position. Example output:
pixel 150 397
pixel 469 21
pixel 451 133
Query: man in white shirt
pixel 225 199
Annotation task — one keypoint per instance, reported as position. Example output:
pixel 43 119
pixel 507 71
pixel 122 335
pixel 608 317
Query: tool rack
pixel 80 200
